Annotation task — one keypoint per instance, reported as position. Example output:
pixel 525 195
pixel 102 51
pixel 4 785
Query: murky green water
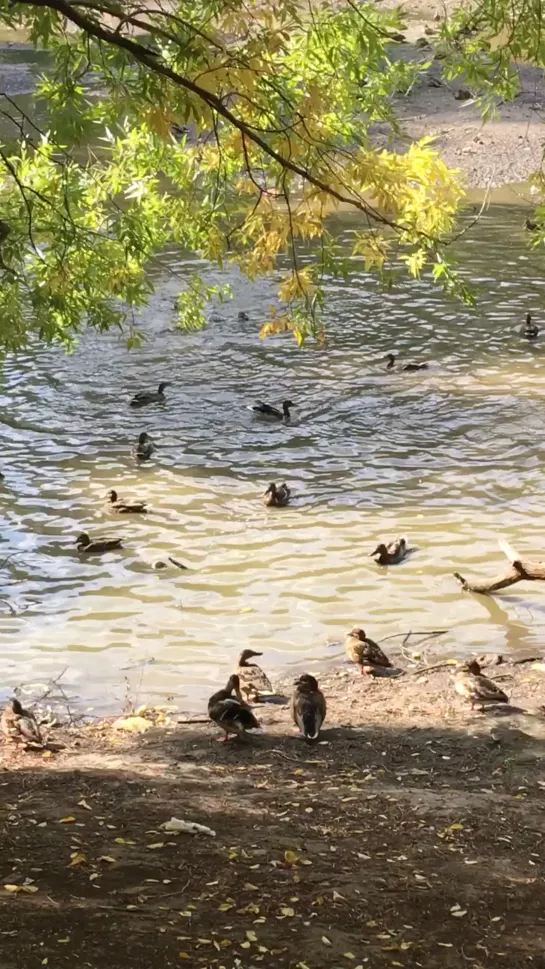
pixel 451 457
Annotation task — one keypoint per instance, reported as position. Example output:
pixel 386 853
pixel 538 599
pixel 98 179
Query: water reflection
pixel 450 456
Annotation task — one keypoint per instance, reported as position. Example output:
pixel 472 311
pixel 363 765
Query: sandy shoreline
pixel 411 836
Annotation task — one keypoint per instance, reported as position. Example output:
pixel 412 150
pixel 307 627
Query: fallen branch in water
pixel 519 571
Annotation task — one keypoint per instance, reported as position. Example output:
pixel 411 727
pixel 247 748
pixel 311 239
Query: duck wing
pixel 130 508
pixel 485 689
pixel 95 548
pixel 254 681
pixel 267 410
pixel 28 728
pixel 231 710
pixel 372 653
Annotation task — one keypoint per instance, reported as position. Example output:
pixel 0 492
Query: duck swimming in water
pixel 391 554
pixel 243 316
pixel 271 413
pixel 19 724
pixel 252 679
pixel 84 544
pixel 364 651
pixel 410 367
pixel 122 507
pixel 148 397
pixel 529 329
pixel 230 712
pixel 475 687
pixel 277 496
pixel 143 448
pixel 308 706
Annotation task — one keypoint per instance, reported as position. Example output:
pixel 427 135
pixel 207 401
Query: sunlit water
pixel 452 458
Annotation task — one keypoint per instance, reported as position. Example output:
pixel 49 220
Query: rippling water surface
pixel 452 457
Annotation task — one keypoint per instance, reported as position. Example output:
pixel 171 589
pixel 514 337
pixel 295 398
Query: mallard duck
pixel 148 397
pixel 272 413
pixel 276 496
pixel 364 651
pixel 391 554
pixel 84 544
pixel 143 448
pixel 529 329
pixel 230 712
pixel 20 724
pixel 253 681
pixel 531 225
pixel 160 564
pixel 410 367
pixel 474 686
pixel 122 507
pixel 308 706
pixel 243 317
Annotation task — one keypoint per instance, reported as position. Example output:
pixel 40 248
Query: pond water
pixel 451 457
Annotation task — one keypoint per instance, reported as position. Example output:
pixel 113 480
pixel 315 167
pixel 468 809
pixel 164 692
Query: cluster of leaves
pixel 228 128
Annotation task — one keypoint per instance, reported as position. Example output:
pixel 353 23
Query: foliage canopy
pixel 230 128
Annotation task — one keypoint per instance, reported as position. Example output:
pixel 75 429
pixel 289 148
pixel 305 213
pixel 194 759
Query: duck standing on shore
pixel 391 554
pixel 529 329
pixel 308 706
pixel 475 687
pixel 268 412
pixel 364 651
pixel 230 712
pixel 122 507
pixel 143 448
pixel 277 496
pixel 409 367
pixel 19 724
pixel 99 547
pixel 149 397
pixel 253 681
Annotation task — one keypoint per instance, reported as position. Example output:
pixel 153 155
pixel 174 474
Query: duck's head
pixel 83 539
pixel 380 550
pixel 15 706
pixel 143 438
pixel 307 683
pixel 242 315
pixel 473 667
pixel 233 685
pixel 528 319
pixel 162 385
pixel 246 655
pixel 357 633
pixel 286 404
pixel 271 490
pixel 112 496
pixel 391 361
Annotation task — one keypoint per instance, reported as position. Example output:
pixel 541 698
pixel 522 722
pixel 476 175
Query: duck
pixel 409 367
pixel 143 448
pixel 253 681
pixel 273 413
pixel 529 329
pixel 474 686
pixel 84 544
pixel 148 397
pixel 364 651
pixel 243 316
pixel 277 496
pixel 122 507
pixel 391 554
pixel 160 564
pixel 20 724
pixel 308 706
pixel 230 712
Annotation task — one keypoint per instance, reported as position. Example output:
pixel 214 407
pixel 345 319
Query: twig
pixel 428 669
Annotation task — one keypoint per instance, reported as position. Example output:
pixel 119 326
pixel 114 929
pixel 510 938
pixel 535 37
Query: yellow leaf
pixel 251 936
pixel 244 945
pixel 107 858
pixel 12 888
pixel 156 844
pixel 123 841
pixel 183 955
pixel 78 858
pixel 325 940
pixel 132 724
pixel 349 955
pixel 286 910
pixel 67 820
pixel 64 941
pixel 225 906
pixel 290 858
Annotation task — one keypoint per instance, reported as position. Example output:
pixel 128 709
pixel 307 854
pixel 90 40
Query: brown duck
pixel 409 367
pixel 391 554
pixel 253 681
pixel 475 687
pixel 230 712
pixel 143 448
pixel 84 544
pixel 19 724
pixel 277 496
pixel 308 706
pixel 364 651
pixel 121 507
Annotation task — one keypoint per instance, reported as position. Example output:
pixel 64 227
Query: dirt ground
pixel 410 836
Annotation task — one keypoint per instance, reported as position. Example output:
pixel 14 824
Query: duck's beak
pixel 376 552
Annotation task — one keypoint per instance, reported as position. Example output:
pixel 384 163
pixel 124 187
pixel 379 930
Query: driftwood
pixel 519 571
